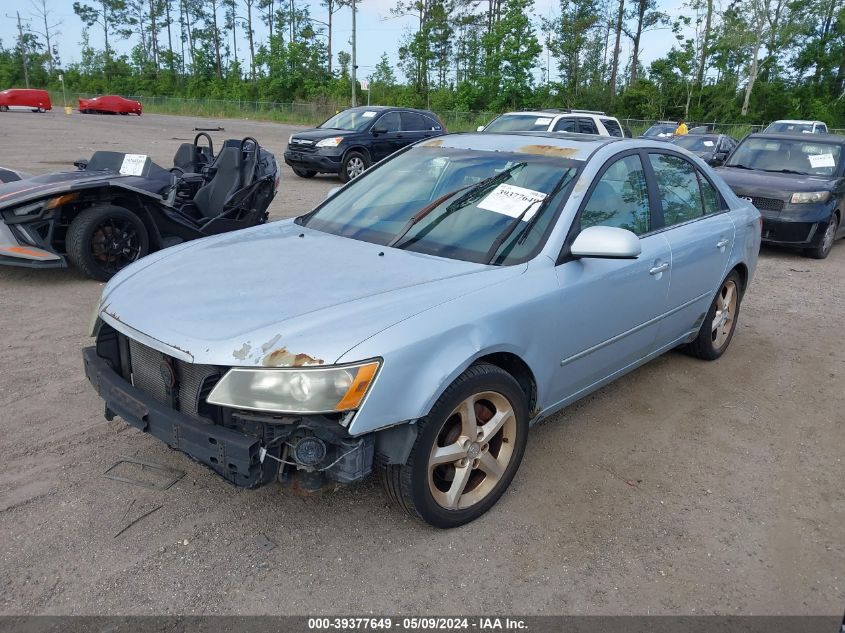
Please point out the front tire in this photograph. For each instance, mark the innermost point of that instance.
(719, 324)
(353, 165)
(104, 239)
(467, 450)
(304, 173)
(823, 249)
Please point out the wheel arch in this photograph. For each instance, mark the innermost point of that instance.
(742, 270)
(360, 149)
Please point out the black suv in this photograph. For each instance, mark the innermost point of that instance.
(352, 140)
(797, 181)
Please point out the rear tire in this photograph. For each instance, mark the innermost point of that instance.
(104, 239)
(304, 173)
(823, 249)
(353, 165)
(4, 108)
(467, 450)
(719, 325)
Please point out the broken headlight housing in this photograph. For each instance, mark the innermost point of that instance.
(296, 389)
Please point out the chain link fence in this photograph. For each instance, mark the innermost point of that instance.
(314, 113)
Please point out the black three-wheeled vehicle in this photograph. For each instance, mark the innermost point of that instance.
(118, 207)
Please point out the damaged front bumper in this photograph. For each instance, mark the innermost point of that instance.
(251, 450)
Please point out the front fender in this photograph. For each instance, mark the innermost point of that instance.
(423, 355)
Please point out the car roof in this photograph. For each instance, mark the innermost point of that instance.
(551, 114)
(381, 108)
(781, 136)
(579, 146)
(796, 121)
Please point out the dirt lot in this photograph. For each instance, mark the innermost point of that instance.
(737, 503)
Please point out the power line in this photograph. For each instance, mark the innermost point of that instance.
(21, 45)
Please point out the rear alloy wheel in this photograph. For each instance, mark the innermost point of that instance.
(823, 249)
(353, 166)
(467, 450)
(304, 173)
(719, 324)
(104, 239)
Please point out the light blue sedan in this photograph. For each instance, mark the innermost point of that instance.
(420, 319)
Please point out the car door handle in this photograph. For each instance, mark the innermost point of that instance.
(659, 269)
(722, 243)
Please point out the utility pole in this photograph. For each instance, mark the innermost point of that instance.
(354, 63)
(21, 45)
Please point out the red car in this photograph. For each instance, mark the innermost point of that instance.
(109, 104)
(38, 100)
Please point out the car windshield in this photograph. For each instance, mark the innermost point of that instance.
(790, 128)
(351, 120)
(656, 130)
(798, 156)
(520, 123)
(695, 143)
(479, 206)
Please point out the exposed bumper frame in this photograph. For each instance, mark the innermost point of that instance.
(232, 455)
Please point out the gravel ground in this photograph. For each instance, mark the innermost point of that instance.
(684, 487)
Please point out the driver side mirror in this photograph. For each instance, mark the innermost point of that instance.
(81, 164)
(379, 129)
(480, 128)
(606, 242)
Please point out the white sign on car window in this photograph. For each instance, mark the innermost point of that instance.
(542, 121)
(511, 200)
(369, 114)
(708, 143)
(821, 160)
(133, 164)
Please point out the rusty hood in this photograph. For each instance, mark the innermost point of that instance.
(279, 295)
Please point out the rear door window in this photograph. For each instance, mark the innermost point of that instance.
(677, 184)
(412, 122)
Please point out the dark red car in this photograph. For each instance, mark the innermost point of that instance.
(109, 104)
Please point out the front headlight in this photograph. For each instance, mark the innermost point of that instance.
(330, 142)
(810, 197)
(295, 389)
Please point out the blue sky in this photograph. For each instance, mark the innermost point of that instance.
(377, 31)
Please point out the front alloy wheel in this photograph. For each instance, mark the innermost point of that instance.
(823, 249)
(467, 450)
(353, 166)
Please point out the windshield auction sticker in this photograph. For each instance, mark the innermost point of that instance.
(511, 200)
(133, 164)
(821, 160)
(369, 114)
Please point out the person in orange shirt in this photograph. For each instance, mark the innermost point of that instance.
(681, 129)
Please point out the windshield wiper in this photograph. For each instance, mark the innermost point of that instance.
(786, 171)
(511, 227)
(738, 166)
(475, 189)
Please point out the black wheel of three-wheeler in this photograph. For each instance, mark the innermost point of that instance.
(104, 239)
(467, 450)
